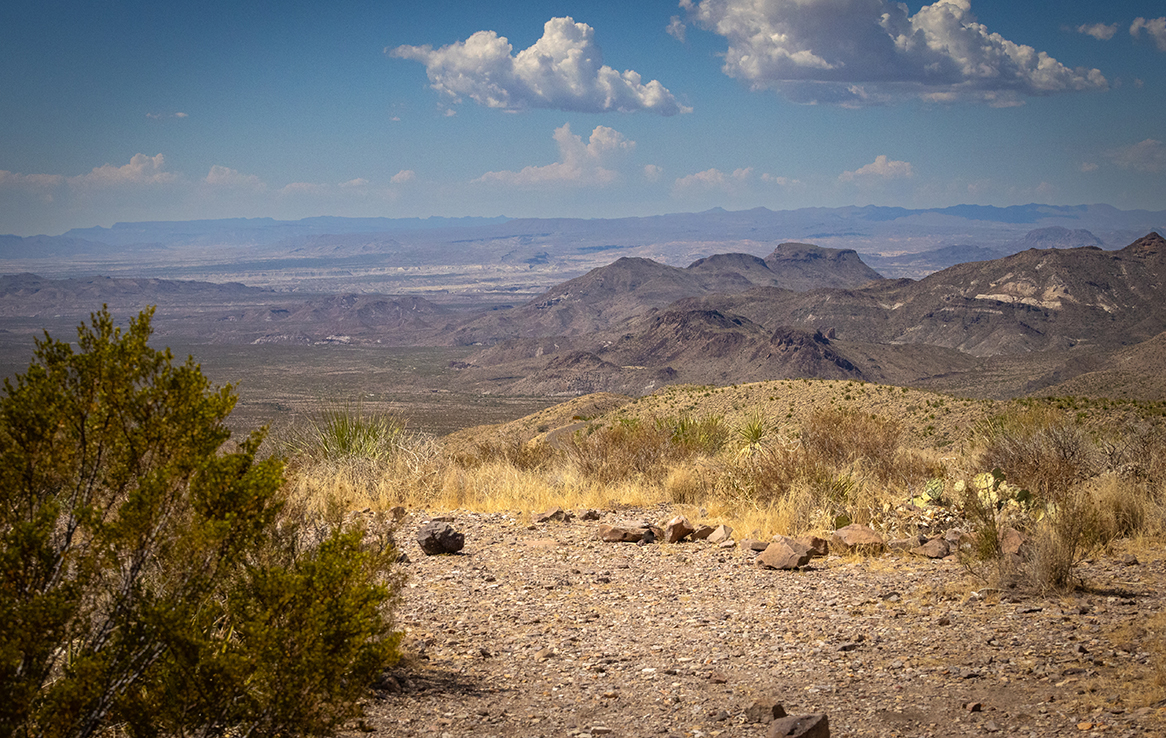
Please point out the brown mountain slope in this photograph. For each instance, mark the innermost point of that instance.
(1133, 373)
(605, 298)
(801, 266)
(708, 346)
(1033, 301)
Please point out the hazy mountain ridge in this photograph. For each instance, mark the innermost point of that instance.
(485, 258)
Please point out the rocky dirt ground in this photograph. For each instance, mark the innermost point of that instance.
(543, 630)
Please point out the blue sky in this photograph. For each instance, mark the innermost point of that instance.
(121, 111)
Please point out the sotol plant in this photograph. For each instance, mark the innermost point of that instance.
(149, 578)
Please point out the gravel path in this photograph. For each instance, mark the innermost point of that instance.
(546, 631)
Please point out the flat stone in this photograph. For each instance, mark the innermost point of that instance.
(702, 532)
(750, 544)
(803, 726)
(628, 533)
(797, 545)
(906, 544)
(936, 548)
(817, 545)
(856, 538)
(554, 515)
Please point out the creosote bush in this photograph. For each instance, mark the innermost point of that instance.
(152, 580)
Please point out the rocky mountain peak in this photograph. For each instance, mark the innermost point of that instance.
(1150, 244)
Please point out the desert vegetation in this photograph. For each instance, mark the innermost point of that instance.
(793, 457)
(155, 577)
(159, 578)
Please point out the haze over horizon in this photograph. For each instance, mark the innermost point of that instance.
(570, 109)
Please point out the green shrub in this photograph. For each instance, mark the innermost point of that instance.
(150, 577)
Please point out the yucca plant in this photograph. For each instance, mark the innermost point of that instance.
(345, 431)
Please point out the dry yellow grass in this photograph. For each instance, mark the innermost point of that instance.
(784, 457)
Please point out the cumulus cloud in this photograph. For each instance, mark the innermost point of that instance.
(879, 169)
(712, 179)
(563, 70)
(403, 176)
(652, 172)
(220, 176)
(1099, 31)
(579, 163)
(676, 29)
(1154, 27)
(352, 184)
(1147, 156)
(142, 170)
(863, 52)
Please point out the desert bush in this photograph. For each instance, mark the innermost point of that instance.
(342, 458)
(691, 436)
(632, 449)
(528, 456)
(687, 484)
(1039, 449)
(150, 578)
(1054, 493)
(840, 437)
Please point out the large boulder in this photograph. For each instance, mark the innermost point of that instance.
(779, 555)
(436, 537)
(677, 529)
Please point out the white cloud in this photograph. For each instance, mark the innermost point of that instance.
(880, 168)
(653, 172)
(1088, 166)
(1099, 31)
(563, 70)
(676, 29)
(220, 176)
(713, 179)
(357, 183)
(142, 170)
(863, 52)
(403, 176)
(780, 181)
(579, 163)
(1155, 27)
(163, 116)
(1146, 156)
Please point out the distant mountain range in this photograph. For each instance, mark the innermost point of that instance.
(1051, 306)
(489, 258)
